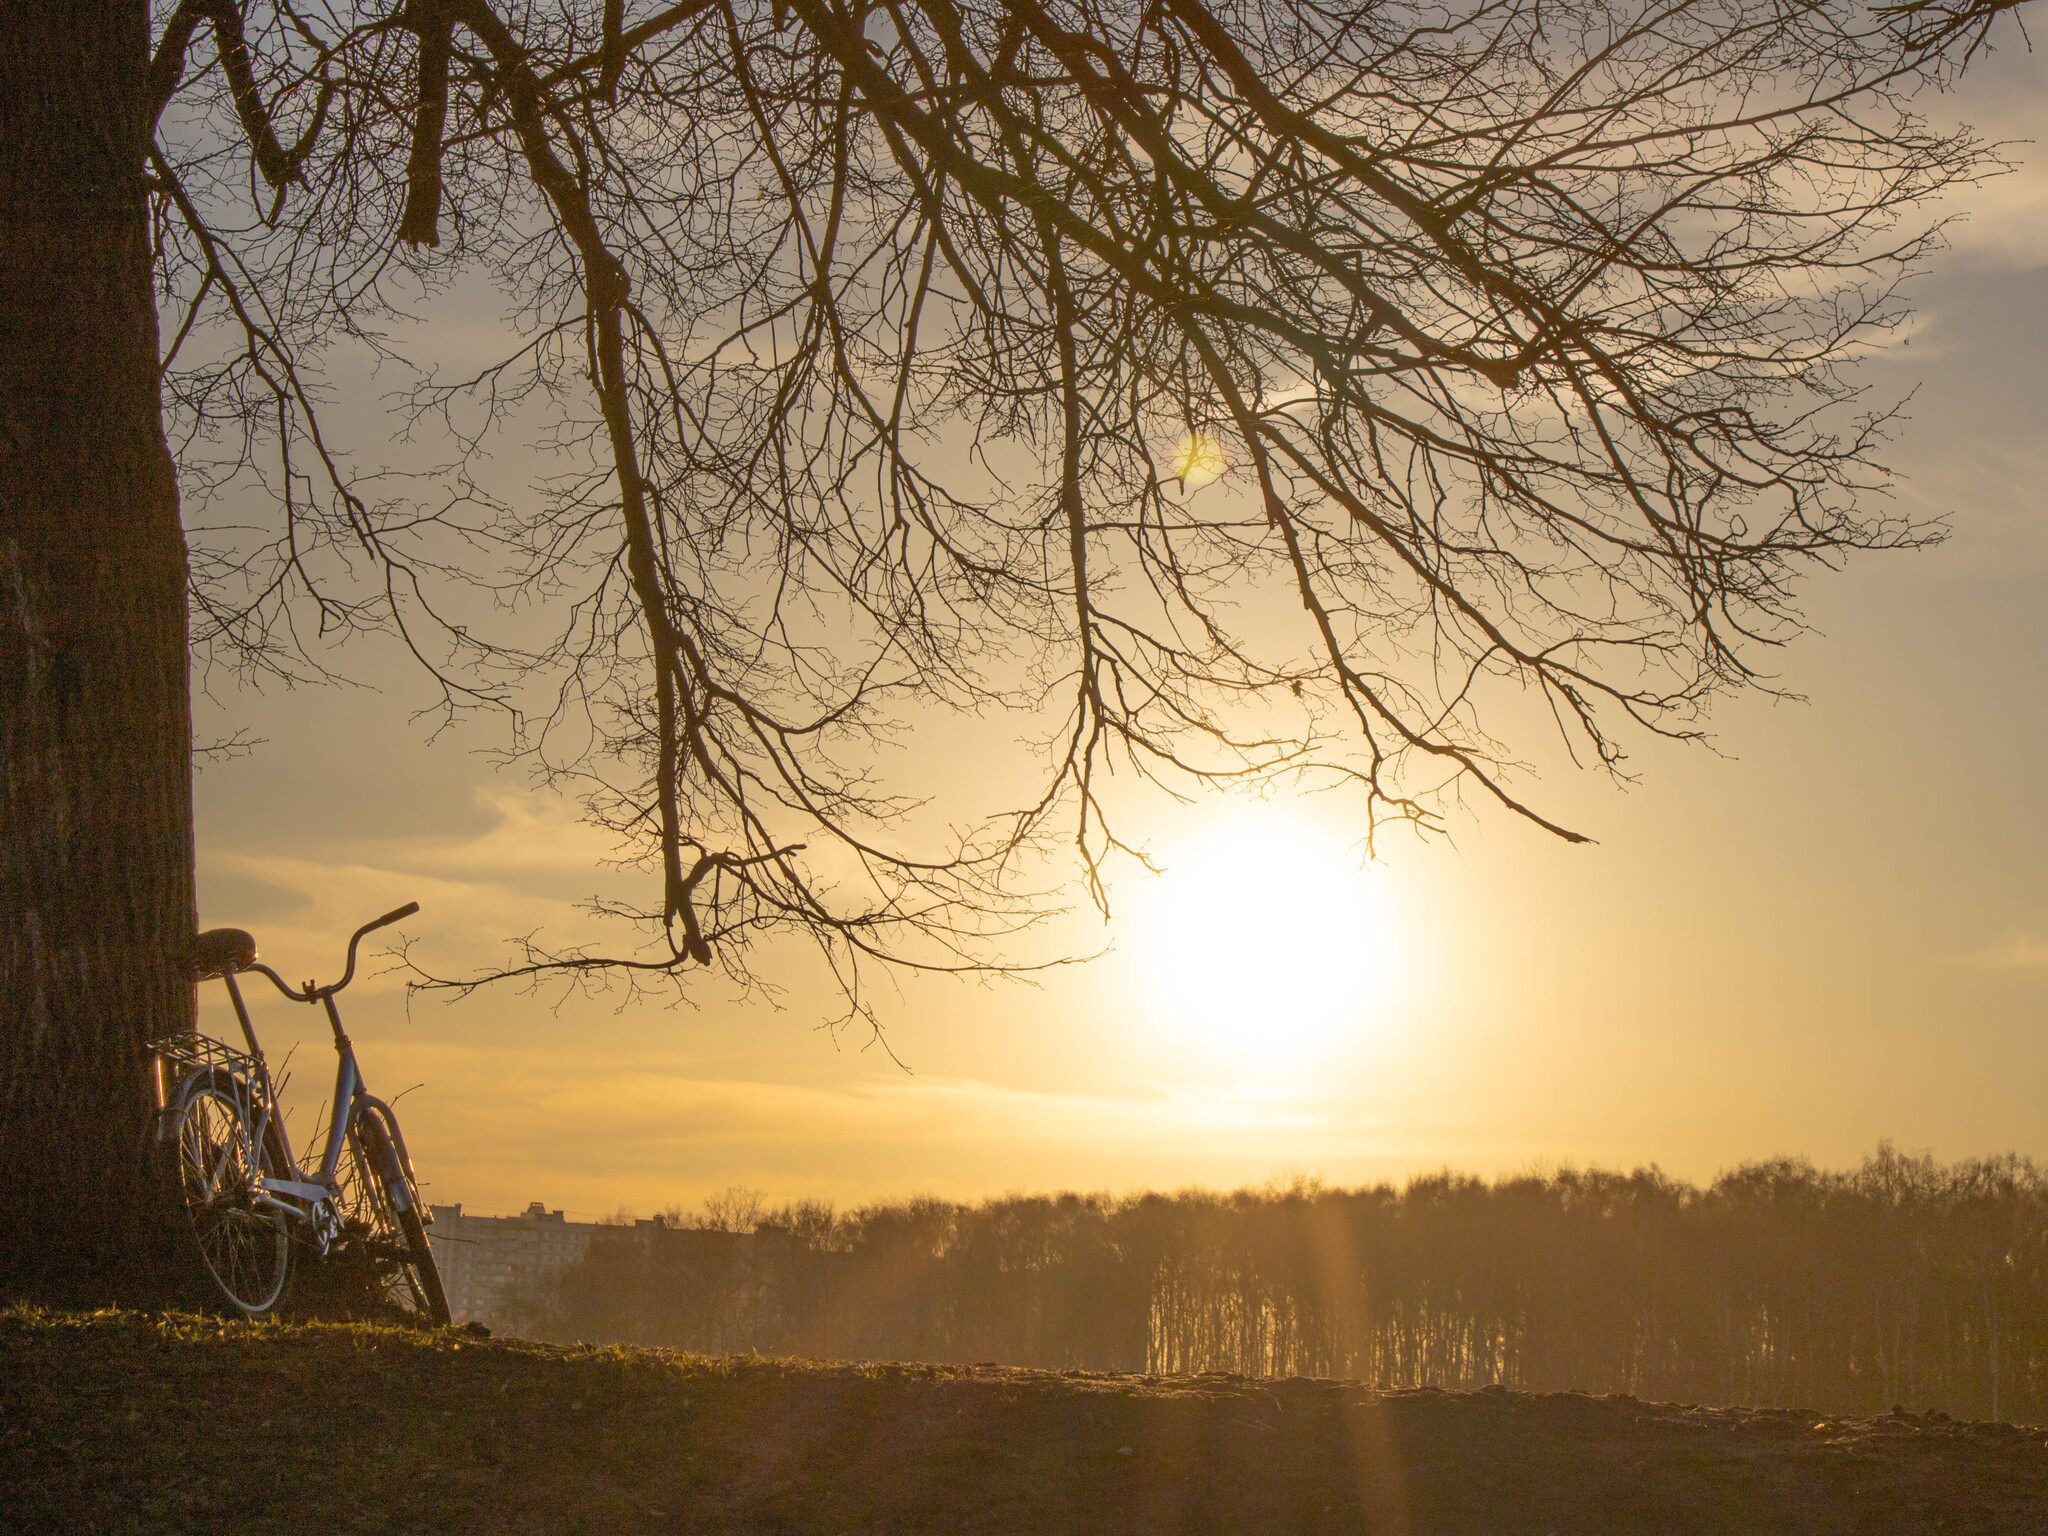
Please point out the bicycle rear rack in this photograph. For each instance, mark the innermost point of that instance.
(179, 1054)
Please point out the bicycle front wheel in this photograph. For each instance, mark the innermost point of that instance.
(381, 1216)
(207, 1152)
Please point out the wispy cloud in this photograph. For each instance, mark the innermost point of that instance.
(598, 1132)
(2015, 952)
(530, 869)
(2003, 223)
(2005, 218)
(531, 832)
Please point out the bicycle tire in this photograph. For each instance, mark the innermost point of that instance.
(206, 1158)
(427, 1272)
(381, 1214)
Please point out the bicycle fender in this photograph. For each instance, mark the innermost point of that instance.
(388, 1118)
(181, 1093)
(398, 1175)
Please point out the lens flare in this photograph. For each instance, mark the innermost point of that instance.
(1199, 460)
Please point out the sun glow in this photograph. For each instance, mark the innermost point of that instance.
(1264, 944)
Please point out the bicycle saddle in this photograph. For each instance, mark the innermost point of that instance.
(223, 951)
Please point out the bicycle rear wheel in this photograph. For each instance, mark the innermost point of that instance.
(207, 1154)
(381, 1216)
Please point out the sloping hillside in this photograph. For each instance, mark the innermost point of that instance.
(115, 1423)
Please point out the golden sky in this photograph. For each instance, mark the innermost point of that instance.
(1833, 931)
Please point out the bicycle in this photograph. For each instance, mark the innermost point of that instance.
(220, 1142)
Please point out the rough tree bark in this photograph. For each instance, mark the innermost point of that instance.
(96, 840)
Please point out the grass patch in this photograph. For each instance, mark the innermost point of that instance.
(123, 1422)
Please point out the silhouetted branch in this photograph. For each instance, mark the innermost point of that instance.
(861, 338)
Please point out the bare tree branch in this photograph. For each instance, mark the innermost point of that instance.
(864, 336)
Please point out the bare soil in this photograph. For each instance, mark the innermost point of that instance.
(119, 1422)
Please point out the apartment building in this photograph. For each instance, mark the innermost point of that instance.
(498, 1270)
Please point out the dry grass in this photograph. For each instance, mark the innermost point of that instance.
(120, 1422)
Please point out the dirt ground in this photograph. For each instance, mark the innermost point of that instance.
(118, 1423)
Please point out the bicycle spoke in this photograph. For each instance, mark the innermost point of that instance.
(220, 1167)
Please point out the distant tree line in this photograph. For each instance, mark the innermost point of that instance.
(1903, 1282)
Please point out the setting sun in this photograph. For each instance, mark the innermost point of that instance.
(1264, 942)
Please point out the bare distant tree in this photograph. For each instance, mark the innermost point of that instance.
(881, 349)
(1779, 1284)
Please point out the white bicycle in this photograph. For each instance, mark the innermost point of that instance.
(246, 1202)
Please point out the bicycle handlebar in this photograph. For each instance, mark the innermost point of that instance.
(370, 927)
(312, 993)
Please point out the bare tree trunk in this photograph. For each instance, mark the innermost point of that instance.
(96, 849)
